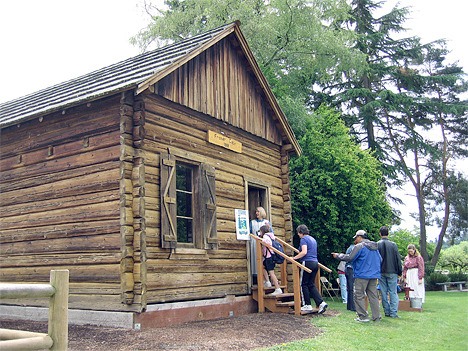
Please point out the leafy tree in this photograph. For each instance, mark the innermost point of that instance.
(423, 160)
(404, 237)
(365, 96)
(455, 258)
(336, 186)
(392, 90)
(294, 41)
(406, 93)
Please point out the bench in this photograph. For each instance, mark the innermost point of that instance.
(444, 285)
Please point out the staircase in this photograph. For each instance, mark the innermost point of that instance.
(282, 303)
(287, 302)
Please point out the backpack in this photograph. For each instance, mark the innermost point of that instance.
(277, 258)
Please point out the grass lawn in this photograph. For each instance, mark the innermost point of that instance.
(443, 325)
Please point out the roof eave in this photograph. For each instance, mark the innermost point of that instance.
(60, 107)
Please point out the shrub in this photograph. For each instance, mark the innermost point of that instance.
(428, 269)
(434, 278)
(457, 277)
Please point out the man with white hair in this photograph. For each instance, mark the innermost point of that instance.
(365, 259)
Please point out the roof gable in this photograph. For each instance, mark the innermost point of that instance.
(139, 73)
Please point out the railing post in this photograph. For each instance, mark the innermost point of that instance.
(58, 310)
(260, 287)
(297, 290)
(284, 275)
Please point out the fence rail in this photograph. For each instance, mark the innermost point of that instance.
(56, 338)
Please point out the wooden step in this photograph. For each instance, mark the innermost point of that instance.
(255, 287)
(285, 303)
(279, 296)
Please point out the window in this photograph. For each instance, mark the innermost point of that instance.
(184, 199)
(188, 204)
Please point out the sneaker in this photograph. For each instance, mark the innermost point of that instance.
(306, 308)
(395, 316)
(276, 292)
(362, 320)
(322, 307)
(267, 285)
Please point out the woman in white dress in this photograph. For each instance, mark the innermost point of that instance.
(413, 273)
(255, 225)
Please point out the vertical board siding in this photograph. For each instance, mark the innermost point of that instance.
(217, 83)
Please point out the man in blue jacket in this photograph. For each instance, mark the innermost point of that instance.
(366, 260)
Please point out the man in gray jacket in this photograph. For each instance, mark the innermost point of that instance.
(390, 270)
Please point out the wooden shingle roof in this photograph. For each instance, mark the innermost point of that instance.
(138, 72)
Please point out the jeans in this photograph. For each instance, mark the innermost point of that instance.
(388, 288)
(343, 288)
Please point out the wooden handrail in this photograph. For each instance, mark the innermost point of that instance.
(286, 257)
(284, 243)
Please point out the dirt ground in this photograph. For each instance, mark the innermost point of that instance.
(234, 334)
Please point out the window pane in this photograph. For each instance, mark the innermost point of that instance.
(184, 230)
(184, 204)
(183, 177)
(184, 198)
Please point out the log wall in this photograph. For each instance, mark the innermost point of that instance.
(60, 202)
(186, 274)
(80, 189)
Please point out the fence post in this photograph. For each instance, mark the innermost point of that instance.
(58, 310)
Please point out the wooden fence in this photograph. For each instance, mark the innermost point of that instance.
(56, 338)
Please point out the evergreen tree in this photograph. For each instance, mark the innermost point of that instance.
(336, 186)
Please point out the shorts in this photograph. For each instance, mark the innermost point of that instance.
(269, 264)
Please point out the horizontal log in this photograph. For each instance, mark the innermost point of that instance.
(58, 165)
(18, 291)
(83, 258)
(86, 302)
(103, 273)
(83, 213)
(62, 203)
(192, 266)
(66, 230)
(58, 129)
(195, 293)
(94, 243)
(165, 281)
(21, 340)
(53, 178)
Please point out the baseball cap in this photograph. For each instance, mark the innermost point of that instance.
(360, 233)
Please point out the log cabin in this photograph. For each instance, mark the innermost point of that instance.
(129, 177)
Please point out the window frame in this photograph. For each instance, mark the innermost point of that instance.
(203, 202)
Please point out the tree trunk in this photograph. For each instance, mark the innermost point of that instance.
(446, 196)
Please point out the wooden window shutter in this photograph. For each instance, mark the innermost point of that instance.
(168, 201)
(208, 201)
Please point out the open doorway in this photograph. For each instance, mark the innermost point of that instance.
(257, 196)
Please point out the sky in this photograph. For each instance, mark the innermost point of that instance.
(45, 42)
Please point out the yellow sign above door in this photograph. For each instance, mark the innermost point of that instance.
(223, 141)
